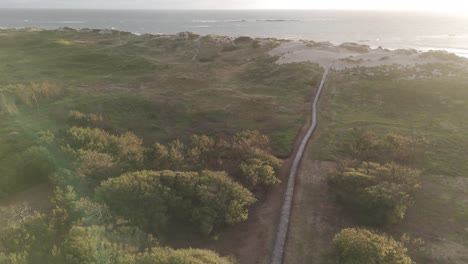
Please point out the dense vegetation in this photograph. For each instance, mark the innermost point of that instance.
(81, 231)
(376, 194)
(146, 84)
(116, 191)
(139, 137)
(401, 134)
(151, 199)
(353, 246)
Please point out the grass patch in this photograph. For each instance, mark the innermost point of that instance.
(384, 100)
(151, 86)
(433, 109)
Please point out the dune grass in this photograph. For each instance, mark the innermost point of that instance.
(150, 86)
(384, 100)
(433, 108)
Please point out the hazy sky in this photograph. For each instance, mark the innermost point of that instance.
(459, 6)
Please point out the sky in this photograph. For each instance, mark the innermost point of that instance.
(455, 6)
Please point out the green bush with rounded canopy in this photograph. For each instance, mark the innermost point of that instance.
(377, 194)
(151, 198)
(361, 246)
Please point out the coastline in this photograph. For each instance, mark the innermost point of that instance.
(327, 44)
(392, 30)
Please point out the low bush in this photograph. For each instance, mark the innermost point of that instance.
(388, 148)
(377, 194)
(359, 246)
(151, 199)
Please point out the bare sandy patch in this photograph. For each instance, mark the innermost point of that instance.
(348, 55)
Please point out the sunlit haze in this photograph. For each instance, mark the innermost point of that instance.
(455, 6)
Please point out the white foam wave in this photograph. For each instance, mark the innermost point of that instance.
(200, 26)
(65, 22)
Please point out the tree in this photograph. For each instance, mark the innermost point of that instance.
(359, 246)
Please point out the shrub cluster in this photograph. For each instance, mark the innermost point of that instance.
(64, 237)
(388, 148)
(378, 194)
(150, 199)
(78, 118)
(126, 147)
(188, 183)
(352, 246)
(246, 155)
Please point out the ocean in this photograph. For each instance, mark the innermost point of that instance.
(393, 30)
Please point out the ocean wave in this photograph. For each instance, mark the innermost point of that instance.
(278, 20)
(462, 52)
(205, 21)
(246, 20)
(64, 22)
(450, 36)
(200, 26)
(322, 19)
(220, 21)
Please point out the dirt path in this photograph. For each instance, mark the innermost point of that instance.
(283, 226)
(315, 218)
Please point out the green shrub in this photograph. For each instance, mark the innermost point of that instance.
(377, 194)
(245, 156)
(182, 256)
(85, 245)
(389, 148)
(150, 199)
(35, 165)
(124, 148)
(13, 258)
(361, 246)
(258, 172)
(78, 118)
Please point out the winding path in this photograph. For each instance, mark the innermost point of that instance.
(283, 226)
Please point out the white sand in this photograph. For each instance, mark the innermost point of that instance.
(340, 58)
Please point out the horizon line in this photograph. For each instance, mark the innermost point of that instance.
(231, 9)
(418, 11)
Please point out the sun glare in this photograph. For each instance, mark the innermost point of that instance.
(452, 6)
